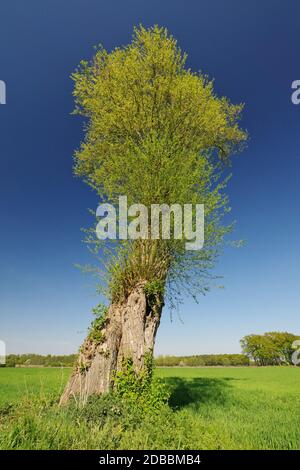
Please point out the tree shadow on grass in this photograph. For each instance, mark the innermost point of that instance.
(198, 390)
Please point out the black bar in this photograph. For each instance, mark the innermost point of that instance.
(136, 459)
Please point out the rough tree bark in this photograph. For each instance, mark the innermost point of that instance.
(129, 332)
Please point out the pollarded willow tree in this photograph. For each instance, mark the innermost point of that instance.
(156, 133)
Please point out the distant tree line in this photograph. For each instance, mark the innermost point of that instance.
(273, 348)
(27, 360)
(15, 360)
(203, 360)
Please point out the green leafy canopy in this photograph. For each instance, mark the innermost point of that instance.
(157, 133)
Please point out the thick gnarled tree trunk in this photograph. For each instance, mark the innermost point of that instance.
(129, 332)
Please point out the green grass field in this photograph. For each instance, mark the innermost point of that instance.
(210, 408)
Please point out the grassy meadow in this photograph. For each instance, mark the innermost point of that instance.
(209, 408)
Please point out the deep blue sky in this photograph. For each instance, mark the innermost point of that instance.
(251, 49)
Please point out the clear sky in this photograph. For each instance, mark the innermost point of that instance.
(251, 49)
